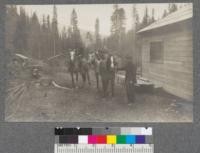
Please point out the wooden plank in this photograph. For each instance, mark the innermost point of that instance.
(166, 75)
(184, 79)
(173, 82)
(173, 74)
(169, 68)
(182, 59)
(177, 36)
(179, 47)
(178, 53)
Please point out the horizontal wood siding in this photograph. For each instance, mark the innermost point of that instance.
(175, 74)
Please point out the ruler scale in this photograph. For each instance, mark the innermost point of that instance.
(104, 140)
(144, 148)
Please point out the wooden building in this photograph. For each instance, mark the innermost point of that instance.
(167, 53)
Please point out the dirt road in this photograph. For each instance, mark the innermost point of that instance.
(33, 102)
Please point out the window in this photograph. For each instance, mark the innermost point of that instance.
(156, 52)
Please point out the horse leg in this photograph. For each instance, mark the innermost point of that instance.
(76, 77)
(106, 86)
(83, 78)
(103, 86)
(105, 82)
(88, 77)
(72, 77)
(97, 79)
(113, 85)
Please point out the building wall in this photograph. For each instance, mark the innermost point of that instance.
(175, 74)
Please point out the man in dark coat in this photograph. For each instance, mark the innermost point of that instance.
(130, 78)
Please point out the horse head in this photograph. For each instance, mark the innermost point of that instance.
(111, 63)
(72, 55)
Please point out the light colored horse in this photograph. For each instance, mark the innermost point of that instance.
(73, 67)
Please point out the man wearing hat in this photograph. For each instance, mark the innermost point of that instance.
(130, 78)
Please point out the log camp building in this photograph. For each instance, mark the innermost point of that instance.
(167, 53)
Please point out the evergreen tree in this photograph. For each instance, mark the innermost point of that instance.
(64, 44)
(118, 21)
(44, 38)
(20, 36)
(54, 30)
(89, 36)
(34, 44)
(145, 20)
(10, 26)
(74, 21)
(117, 28)
(136, 22)
(97, 35)
(172, 7)
(49, 46)
(75, 37)
(152, 16)
(164, 13)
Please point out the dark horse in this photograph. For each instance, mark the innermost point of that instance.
(107, 71)
(84, 69)
(95, 61)
(78, 64)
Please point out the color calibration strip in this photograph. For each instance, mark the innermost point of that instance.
(103, 139)
(107, 140)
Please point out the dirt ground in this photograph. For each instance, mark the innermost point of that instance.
(29, 101)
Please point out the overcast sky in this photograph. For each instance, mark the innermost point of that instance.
(87, 14)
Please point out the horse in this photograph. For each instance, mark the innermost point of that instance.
(73, 66)
(107, 71)
(95, 61)
(84, 69)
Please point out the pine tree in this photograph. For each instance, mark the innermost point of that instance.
(10, 26)
(117, 28)
(136, 22)
(44, 38)
(55, 31)
(74, 21)
(164, 13)
(152, 16)
(20, 45)
(97, 35)
(145, 20)
(49, 46)
(118, 21)
(76, 36)
(172, 7)
(34, 44)
(64, 44)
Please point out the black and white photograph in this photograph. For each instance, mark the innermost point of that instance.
(99, 62)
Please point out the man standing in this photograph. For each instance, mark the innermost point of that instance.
(130, 79)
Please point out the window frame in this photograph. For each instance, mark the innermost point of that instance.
(159, 59)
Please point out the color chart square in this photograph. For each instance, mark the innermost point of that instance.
(83, 139)
(101, 139)
(130, 139)
(92, 139)
(121, 139)
(140, 139)
(111, 139)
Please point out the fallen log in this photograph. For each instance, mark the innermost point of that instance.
(58, 86)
